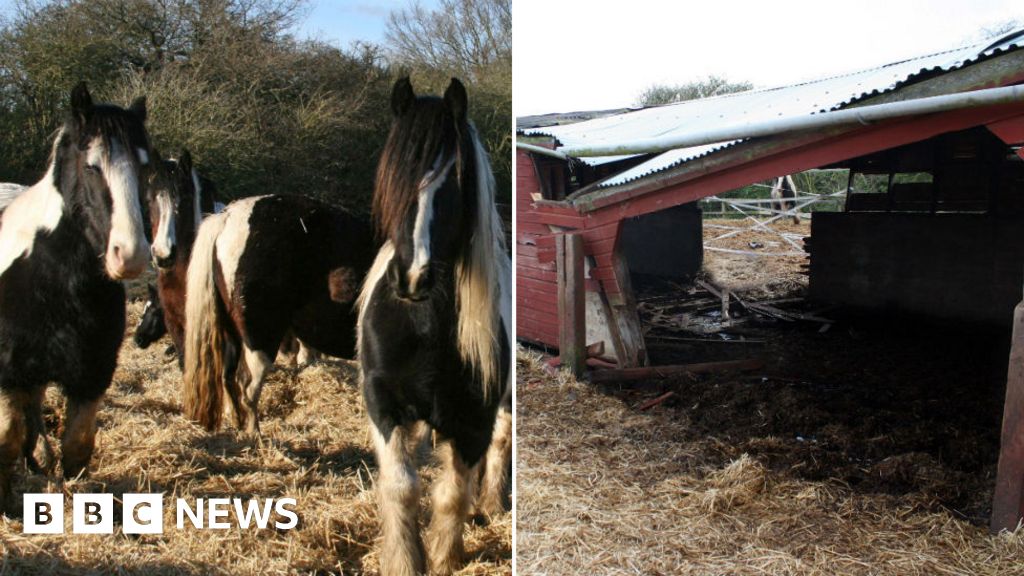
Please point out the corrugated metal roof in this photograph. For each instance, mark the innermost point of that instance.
(754, 106)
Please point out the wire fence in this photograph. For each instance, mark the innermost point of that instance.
(760, 214)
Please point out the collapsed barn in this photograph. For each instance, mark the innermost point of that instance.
(938, 234)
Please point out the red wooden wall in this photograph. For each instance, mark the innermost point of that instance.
(536, 283)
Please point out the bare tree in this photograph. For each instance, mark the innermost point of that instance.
(713, 85)
(463, 36)
(994, 30)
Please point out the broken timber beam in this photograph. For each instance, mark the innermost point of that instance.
(652, 372)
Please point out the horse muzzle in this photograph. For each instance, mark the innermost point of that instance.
(414, 286)
(126, 260)
(166, 260)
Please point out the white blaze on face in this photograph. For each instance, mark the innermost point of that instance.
(127, 248)
(429, 185)
(165, 239)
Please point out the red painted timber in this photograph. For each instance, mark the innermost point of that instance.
(857, 143)
(536, 274)
(535, 283)
(1010, 130)
(562, 220)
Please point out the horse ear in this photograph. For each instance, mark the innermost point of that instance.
(402, 96)
(139, 107)
(81, 100)
(152, 291)
(455, 98)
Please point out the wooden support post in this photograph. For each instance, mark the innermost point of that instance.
(572, 334)
(1008, 501)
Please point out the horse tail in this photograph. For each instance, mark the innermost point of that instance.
(205, 332)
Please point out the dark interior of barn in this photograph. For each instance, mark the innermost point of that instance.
(885, 368)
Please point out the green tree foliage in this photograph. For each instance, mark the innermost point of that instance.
(471, 40)
(658, 94)
(260, 110)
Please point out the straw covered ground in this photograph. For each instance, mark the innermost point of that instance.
(865, 446)
(315, 448)
(747, 269)
(604, 488)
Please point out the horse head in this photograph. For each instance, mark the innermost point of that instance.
(151, 326)
(425, 198)
(172, 208)
(100, 161)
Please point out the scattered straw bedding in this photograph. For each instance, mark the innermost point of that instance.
(315, 449)
(605, 489)
(758, 277)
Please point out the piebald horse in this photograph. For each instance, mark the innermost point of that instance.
(151, 328)
(65, 245)
(434, 327)
(264, 267)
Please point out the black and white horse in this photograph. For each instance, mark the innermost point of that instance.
(434, 332)
(65, 244)
(262, 268)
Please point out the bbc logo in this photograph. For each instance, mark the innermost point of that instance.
(92, 514)
(144, 513)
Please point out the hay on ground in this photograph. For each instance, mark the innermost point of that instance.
(315, 448)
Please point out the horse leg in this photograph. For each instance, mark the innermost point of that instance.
(496, 465)
(421, 444)
(258, 364)
(13, 431)
(451, 499)
(233, 387)
(79, 436)
(398, 492)
(37, 430)
(306, 354)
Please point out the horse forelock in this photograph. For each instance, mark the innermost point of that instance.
(414, 143)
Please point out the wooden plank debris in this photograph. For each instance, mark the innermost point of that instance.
(655, 401)
(657, 372)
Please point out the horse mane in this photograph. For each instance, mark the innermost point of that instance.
(480, 276)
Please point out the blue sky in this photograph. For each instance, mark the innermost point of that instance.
(339, 22)
(342, 22)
